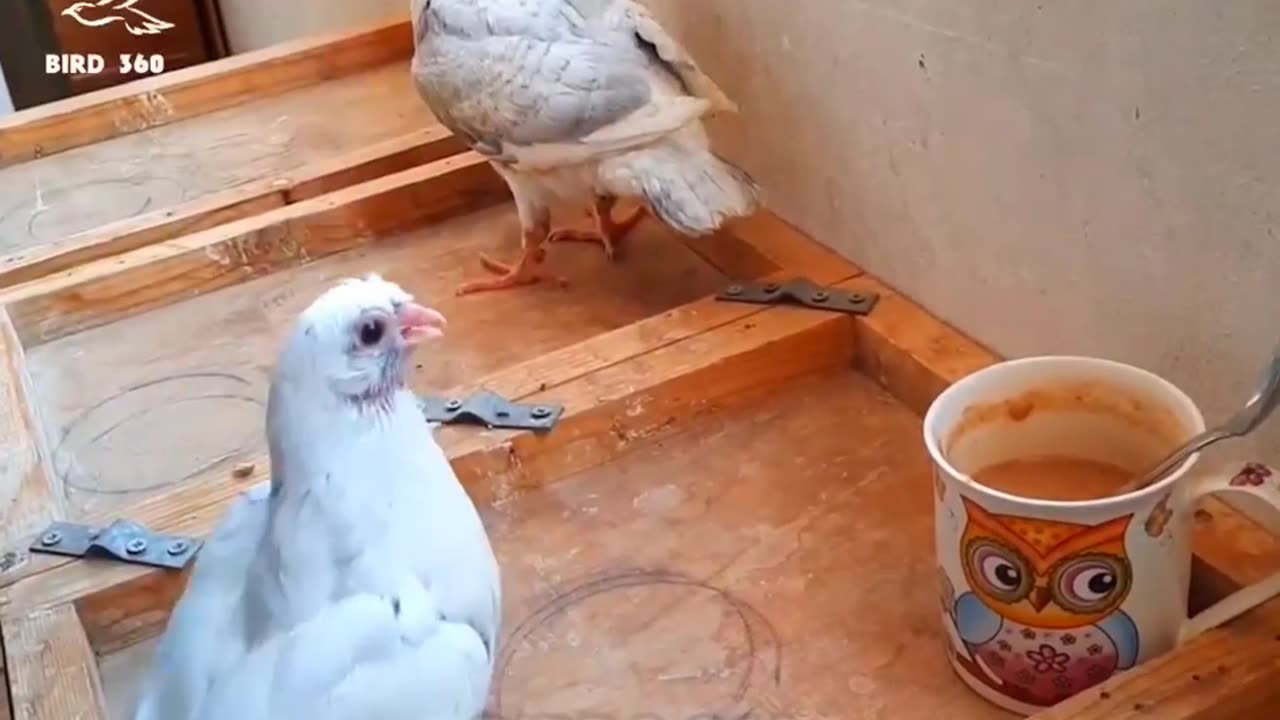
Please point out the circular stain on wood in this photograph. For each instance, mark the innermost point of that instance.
(159, 433)
(637, 644)
(51, 213)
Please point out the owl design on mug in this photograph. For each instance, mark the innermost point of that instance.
(1042, 619)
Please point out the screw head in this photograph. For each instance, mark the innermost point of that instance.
(733, 290)
(821, 296)
(177, 547)
(453, 405)
(541, 413)
(772, 287)
(856, 298)
(53, 537)
(135, 546)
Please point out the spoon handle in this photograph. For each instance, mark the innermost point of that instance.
(1175, 459)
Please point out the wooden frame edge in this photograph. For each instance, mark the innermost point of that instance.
(28, 493)
(113, 288)
(252, 198)
(52, 669)
(152, 102)
(619, 388)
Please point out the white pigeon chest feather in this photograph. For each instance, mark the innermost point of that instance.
(362, 510)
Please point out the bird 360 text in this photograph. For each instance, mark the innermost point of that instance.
(93, 64)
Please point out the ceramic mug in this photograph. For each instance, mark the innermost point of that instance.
(1043, 599)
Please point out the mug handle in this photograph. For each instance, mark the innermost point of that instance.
(1259, 481)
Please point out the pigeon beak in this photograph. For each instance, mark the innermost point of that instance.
(419, 324)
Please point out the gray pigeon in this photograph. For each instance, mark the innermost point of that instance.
(577, 101)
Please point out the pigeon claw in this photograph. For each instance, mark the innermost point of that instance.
(508, 276)
(608, 233)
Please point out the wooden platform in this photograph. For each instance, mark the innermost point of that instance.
(733, 514)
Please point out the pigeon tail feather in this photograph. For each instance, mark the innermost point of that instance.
(694, 191)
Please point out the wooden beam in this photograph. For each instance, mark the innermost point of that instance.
(607, 413)
(745, 249)
(764, 239)
(53, 672)
(28, 498)
(182, 94)
(1226, 674)
(156, 275)
(384, 158)
(620, 389)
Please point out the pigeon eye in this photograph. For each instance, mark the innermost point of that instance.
(371, 331)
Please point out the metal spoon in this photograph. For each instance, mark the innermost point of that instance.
(1253, 414)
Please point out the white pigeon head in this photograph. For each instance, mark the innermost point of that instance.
(355, 340)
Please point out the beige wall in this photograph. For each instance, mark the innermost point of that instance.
(1091, 177)
(255, 24)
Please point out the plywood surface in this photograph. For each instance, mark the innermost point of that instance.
(690, 577)
(48, 199)
(191, 378)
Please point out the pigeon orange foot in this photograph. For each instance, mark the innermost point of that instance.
(608, 233)
(508, 276)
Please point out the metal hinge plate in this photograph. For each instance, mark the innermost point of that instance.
(122, 540)
(801, 291)
(490, 410)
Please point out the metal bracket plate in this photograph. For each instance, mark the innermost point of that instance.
(490, 410)
(122, 540)
(801, 291)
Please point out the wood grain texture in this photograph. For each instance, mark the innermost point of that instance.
(252, 198)
(103, 425)
(53, 673)
(768, 562)
(1226, 674)
(82, 190)
(28, 498)
(619, 407)
(113, 288)
(152, 102)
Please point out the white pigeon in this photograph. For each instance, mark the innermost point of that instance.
(577, 101)
(290, 590)
(205, 633)
(366, 656)
(361, 492)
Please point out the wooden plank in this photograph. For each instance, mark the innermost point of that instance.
(609, 411)
(516, 382)
(186, 93)
(770, 242)
(156, 275)
(912, 353)
(779, 553)
(384, 158)
(28, 499)
(1224, 674)
(53, 672)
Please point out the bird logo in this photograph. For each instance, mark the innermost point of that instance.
(105, 12)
